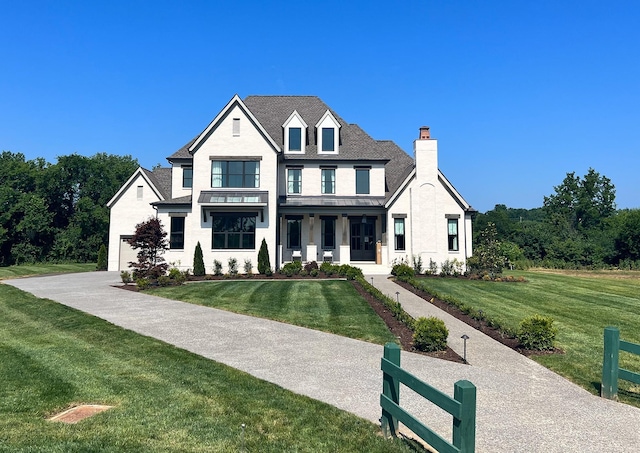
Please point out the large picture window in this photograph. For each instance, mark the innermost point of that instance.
(234, 231)
(328, 233)
(294, 233)
(452, 225)
(399, 233)
(362, 180)
(235, 173)
(328, 180)
(176, 237)
(294, 180)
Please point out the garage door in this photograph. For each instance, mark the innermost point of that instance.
(127, 254)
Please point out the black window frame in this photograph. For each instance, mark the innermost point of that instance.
(399, 238)
(328, 234)
(176, 235)
(453, 242)
(294, 237)
(233, 231)
(297, 140)
(249, 180)
(187, 183)
(332, 139)
(360, 172)
(324, 181)
(291, 171)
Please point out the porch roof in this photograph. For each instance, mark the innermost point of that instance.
(324, 201)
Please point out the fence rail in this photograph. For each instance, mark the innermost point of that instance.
(462, 406)
(611, 370)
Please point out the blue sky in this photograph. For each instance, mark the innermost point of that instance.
(518, 93)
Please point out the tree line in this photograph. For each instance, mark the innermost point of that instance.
(57, 212)
(578, 226)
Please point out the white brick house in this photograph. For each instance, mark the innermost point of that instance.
(290, 170)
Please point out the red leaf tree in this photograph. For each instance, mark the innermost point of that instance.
(150, 241)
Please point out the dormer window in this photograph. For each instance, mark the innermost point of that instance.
(295, 134)
(328, 139)
(328, 134)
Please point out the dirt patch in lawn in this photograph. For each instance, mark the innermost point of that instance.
(77, 413)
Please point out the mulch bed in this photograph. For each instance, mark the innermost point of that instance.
(480, 325)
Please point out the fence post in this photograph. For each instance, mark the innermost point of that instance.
(609, 388)
(464, 428)
(390, 389)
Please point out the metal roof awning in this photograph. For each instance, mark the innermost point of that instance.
(330, 202)
(235, 199)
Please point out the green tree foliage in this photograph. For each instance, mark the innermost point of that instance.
(150, 240)
(57, 211)
(198, 261)
(264, 264)
(488, 256)
(102, 259)
(627, 239)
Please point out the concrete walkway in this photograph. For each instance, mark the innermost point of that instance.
(522, 407)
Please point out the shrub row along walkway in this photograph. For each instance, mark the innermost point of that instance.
(522, 407)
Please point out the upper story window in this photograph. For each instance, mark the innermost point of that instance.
(295, 139)
(362, 181)
(295, 134)
(328, 139)
(328, 134)
(294, 180)
(328, 182)
(452, 227)
(236, 127)
(187, 177)
(235, 173)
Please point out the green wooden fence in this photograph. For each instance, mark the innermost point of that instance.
(611, 370)
(462, 406)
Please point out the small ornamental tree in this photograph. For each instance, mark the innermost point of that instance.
(488, 256)
(102, 259)
(264, 264)
(198, 261)
(150, 240)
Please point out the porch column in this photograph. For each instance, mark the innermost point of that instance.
(345, 249)
(312, 248)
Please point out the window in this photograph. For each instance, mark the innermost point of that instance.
(236, 127)
(294, 180)
(235, 173)
(328, 233)
(328, 139)
(399, 233)
(187, 177)
(294, 233)
(139, 193)
(328, 180)
(453, 234)
(295, 139)
(234, 231)
(362, 180)
(176, 237)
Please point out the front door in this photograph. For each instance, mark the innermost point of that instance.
(363, 239)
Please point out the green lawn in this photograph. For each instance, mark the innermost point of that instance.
(44, 268)
(166, 399)
(328, 305)
(581, 305)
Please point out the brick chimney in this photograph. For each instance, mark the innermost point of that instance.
(425, 150)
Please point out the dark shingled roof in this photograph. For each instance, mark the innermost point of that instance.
(186, 200)
(161, 178)
(355, 144)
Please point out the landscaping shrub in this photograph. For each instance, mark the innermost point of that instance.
(417, 264)
(403, 271)
(314, 272)
(292, 268)
(433, 268)
(233, 266)
(126, 277)
(537, 332)
(264, 263)
(430, 334)
(102, 259)
(310, 266)
(217, 268)
(326, 268)
(177, 276)
(143, 283)
(164, 280)
(198, 261)
(248, 266)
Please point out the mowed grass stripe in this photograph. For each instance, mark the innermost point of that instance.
(166, 399)
(581, 307)
(332, 306)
